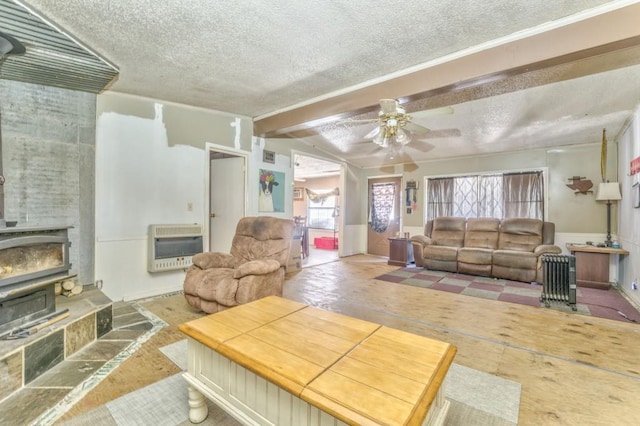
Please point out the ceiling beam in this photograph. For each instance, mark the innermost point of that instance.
(596, 35)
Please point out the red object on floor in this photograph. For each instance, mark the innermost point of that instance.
(328, 243)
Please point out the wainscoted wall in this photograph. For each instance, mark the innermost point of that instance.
(151, 168)
(629, 217)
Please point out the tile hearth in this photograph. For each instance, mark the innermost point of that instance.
(62, 363)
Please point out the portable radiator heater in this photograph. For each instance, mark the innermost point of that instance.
(559, 279)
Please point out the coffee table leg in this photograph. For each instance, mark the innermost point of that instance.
(198, 410)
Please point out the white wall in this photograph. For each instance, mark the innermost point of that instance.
(145, 175)
(628, 216)
(152, 164)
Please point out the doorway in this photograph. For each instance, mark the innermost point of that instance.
(384, 213)
(227, 196)
(316, 205)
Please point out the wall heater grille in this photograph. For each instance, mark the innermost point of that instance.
(559, 279)
(173, 246)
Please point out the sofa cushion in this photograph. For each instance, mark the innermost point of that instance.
(520, 234)
(482, 233)
(448, 231)
(474, 255)
(442, 253)
(515, 259)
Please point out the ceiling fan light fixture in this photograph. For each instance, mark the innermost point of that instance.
(382, 139)
(379, 136)
(402, 137)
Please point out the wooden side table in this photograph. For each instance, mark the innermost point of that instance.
(400, 252)
(592, 264)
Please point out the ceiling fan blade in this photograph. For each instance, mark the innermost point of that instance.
(421, 146)
(350, 121)
(432, 112)
(372, 133)
(443, 133)
(416, 128)
(388, 106)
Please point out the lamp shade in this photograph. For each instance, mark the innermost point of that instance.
(608, 191)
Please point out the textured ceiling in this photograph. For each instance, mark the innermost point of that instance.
(255, 57)
(258, 58)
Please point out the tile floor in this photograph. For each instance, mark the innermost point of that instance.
(58, 388)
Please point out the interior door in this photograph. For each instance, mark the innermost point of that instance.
(226, 198)
(384, 213)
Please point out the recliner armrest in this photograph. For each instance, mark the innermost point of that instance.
(256, 267)
(547, 249)
(209, 260)
(421, 239)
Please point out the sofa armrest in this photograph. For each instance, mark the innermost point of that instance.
(256, 267)
(210, 260)
(421, 239)
(547, 249)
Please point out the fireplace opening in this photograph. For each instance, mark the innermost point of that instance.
(24, 260)
(32, 260)
(18, 310)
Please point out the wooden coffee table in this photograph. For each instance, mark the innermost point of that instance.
(279, 362)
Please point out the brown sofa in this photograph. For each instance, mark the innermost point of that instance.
(255, 268)
(508, 248)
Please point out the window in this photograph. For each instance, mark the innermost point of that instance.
(499, 195)
(322, 209)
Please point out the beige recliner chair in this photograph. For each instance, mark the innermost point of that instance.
(254, 269)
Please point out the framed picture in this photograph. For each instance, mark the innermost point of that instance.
(298, 194)
(269, 156)
(635, 189)
(271, 191)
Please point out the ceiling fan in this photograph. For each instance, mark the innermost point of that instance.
(395, 123)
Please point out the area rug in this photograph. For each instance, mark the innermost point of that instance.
(608, 304)
(476, 398)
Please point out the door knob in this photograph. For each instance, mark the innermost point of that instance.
(212, 215)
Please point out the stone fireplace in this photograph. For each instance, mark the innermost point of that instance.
(32, 260)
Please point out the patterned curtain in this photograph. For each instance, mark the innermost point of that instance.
(523, 195)
(490, 201)
(383, 196)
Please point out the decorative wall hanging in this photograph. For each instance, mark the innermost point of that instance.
(603, 156)
(634, 166)
(580, 185)
(270, 193)
(321, 198)
(411, 201)
(269, 156)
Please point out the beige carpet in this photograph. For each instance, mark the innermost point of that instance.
(477, 398)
